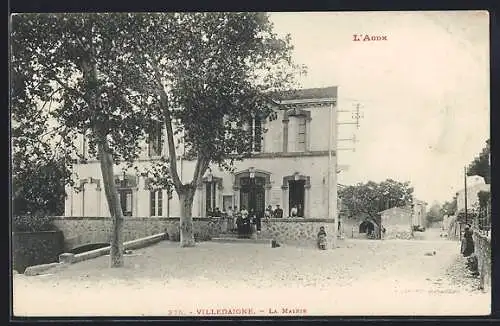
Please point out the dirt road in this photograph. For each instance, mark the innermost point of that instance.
(361, 277)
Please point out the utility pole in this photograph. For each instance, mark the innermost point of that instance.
(331, 183)
(465, 192)
(333, 207)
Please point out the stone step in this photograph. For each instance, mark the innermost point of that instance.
(241, 240)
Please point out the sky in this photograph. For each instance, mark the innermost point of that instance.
(424, 92)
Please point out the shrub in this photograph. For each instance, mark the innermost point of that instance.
(33, 248)
(32, 224)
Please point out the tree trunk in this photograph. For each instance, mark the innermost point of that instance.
(186, 196)
(106, 161)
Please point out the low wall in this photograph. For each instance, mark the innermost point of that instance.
(482, 249)
(397, 231)
(85, 230)
(34, 248)
(296, 231)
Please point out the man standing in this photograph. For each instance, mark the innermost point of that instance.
(278, 212)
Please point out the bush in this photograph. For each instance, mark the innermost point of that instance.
(32, 224)
(33, 248)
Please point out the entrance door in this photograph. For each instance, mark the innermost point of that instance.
(252, 194)
(296, 195)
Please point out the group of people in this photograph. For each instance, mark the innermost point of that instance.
(243, 219)
(268, 213)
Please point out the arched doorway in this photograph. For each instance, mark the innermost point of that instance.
(252, 187)
(296, 193)
(371, 228)
(366, 227)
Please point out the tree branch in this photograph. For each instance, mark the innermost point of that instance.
(172, 156)
(66, 87)
(202, 164)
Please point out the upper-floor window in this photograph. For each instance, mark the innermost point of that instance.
(301, 134)
(256, 133)
(155, 140)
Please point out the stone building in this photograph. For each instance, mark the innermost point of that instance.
(289, 167)
(475, 184)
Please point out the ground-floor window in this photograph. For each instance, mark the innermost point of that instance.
(126, 201)
(156, 202)
(210, 204)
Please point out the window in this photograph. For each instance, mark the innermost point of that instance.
(126, 201)
(210, 197)
(155, 202)
(125, 195)
(256, 133)
(155, 141)
(301, 135)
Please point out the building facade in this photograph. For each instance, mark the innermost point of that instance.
(475, 184)
(290, 167)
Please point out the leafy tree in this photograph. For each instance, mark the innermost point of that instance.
(39, 189)
(117, 75)
(481, 164)
(366, 200)
(435, 214)
(81, 62)
(207, 75)
(39, 171)
(449, 208)
(484, 210)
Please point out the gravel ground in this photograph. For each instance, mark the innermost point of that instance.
(361, 277)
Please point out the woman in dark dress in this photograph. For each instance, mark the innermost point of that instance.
(467, 242)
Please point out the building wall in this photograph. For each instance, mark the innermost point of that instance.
(472, 198)
(92, 201)
(280, 158)
(419, 213)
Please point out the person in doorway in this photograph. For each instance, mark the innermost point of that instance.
(236, 213)
(251, 216)
(321, 238)
(268, 213)
(278, 212)
(229, 216)
(244, 212)
(294, 211)
(258, 221)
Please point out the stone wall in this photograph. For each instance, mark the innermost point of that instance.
(79, 231)
(482, 249)
(297, 231)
